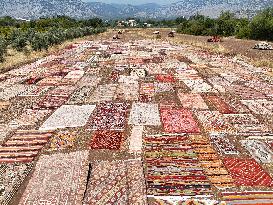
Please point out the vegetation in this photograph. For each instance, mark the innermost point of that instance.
(260, 27)
(40, 34)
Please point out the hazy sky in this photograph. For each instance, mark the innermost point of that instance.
(135, 2)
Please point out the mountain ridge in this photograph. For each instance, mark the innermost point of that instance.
(30, 9)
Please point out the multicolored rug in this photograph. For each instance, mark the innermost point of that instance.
(214, 122)
(58, 179)
(23, 146)
(247, 172)
(192, 101)
(144, 114)
(116, 182)
(11, 178)
(172, 167)
(63, 140)
(107, 140)
(220, 104)
(135, 139)
(211, 163)
(109, 116)
(259, 150)
(178, 121)
(223, 143)
(30, 117)
(50, 102)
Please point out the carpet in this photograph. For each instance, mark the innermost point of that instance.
(245, 93)
(257, 107)
(50, 102)
(247, 172)
(30, 117)
(58, 179)
(220, 104)
(167, 78)
(223, 143)
(63, 140)
(103, 93)
(109, 116)
(213, 121)
(147, 88)
(144, 114)
(192, 101)
(68, 116)
(259, 150)
(12, 176)
(80, 95)
(35, 91)
(135, 139)
(61, 91)
(178, 121)
(211, 163)
(111, 140)
(163, 87)
(127, 91)
(248, 197)
(23, 146)
(116, 182)
(172, 168)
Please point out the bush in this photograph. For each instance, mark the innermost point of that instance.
(39, 42)
(3, 48)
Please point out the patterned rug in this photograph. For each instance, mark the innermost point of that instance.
(135, 139)
(81, 95)
(220, 104)
(11, 177)
(247, 172)
(109, 116)
(245, 93)
(223, 144)
(165, 78)
(178, 121)
(50, 102)
(147, 88)
(30, 117)
(256, 106)
(63, 140)
(35, 91)
(103, 93)
(163, 87)
(192, 101)
(58, 179)
(116, 182)
(172, 168)
(127, 91)
(107, 140)
(61, 91)
(50, 81)
(144, 114)
(214, 122)
(23, 146)
(248, 197)
(258, 150)
(68, 116)
(211, 163)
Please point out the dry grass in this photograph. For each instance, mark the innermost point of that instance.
(15, 59)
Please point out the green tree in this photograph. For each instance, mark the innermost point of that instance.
(3, 48)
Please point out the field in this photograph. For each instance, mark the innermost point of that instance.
(139, 120)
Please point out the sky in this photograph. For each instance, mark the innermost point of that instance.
(136, 2)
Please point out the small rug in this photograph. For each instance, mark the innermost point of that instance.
(68, 116)
(111, 140)
(192, 101)
(144, 114)
(23, 146)
(109, 116)
(11, 178)
(178, 121)
(58, 179)
(247, 172)
(116, 182)
(220, 104)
